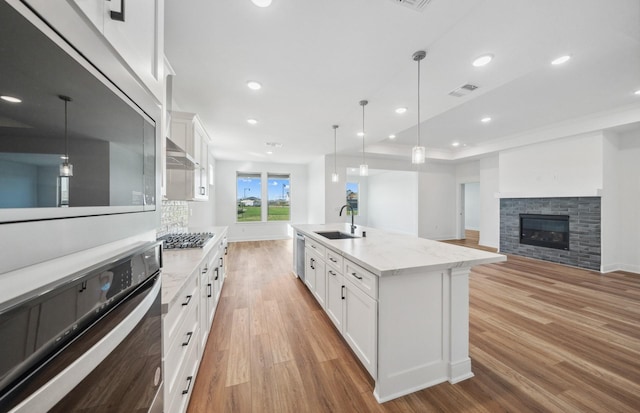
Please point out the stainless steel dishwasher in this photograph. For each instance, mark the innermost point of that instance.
(300, 256)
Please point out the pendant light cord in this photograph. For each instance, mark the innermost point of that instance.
(66, 134)
(419, 102)
(335, 148)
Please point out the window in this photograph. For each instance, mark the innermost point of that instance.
(249, 197)
(352, 197)
(279, 197)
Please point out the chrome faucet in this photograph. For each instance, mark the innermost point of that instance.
(353, 227)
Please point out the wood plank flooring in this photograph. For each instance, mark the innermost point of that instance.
(543, 338)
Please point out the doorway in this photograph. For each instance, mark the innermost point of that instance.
(469, 225)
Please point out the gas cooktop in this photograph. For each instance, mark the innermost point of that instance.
(188, 240)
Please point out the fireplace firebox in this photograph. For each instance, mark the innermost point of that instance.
(551, 231)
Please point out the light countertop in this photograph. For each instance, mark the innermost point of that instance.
(388, 253)
(179, 264)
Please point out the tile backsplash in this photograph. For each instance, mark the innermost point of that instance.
(175, 217)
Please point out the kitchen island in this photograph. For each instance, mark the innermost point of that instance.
(401, 302)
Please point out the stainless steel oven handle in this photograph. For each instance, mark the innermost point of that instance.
(54, 390)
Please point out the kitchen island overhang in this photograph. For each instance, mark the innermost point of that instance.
(422, 323)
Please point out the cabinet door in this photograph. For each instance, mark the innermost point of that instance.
(360, 325)
(311, 262)
(206, 289)
(320, 291)
(335, 297)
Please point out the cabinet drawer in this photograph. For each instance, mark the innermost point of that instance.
(315, 246)
(185, 339)
(179, 397)
(185, 301)
(334, 259)
(365, 280)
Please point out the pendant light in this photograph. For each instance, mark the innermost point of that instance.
(418, 154)
(334, 176)
(364, 168)
(66, 169)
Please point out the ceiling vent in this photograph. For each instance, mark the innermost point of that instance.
(463, 90)
(417, 5)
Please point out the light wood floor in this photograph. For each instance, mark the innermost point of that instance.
(543, 338)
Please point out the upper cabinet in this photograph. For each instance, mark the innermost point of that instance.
(187, 158)
(130, 30)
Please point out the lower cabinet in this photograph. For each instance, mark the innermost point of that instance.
(181, 340)
(349, 300)
(186, 326)
(359, 325)
(335, 297)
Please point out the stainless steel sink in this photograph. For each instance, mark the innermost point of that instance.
(335, 235)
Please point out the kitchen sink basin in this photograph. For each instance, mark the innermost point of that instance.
(336, 235)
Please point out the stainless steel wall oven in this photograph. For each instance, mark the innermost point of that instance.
(89, 343)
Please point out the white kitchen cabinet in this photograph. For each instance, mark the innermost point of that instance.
(188, 315)
(137, 38)
(335, 297)
(187, 159)
(315, 277)
(180, 338)
(320, 291)
(310, 259)
(208, 296)
(359, 325)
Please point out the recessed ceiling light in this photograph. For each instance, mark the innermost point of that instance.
(483, 60)
(11, 99)
(252, 121)
(353, 169)
(560, 60)
(269, 152)
(262, 3)
(400, 111)
(455, 144)
(392, 136)
(253, 85)
(485, 119)
(637, 92)
(360, 134)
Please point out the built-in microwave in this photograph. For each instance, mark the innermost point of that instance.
(71, 142)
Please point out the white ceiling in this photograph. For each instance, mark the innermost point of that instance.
(317, 59)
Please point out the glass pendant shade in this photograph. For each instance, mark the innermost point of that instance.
(335, 177)
(66, 169)
(364, 170)
(418, 155)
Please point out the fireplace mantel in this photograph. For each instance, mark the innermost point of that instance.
(549, 194)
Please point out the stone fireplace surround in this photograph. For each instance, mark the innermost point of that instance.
(584, 229)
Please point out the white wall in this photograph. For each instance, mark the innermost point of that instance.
(316, 181)
(437, 212)
(472, 206)
(570, 166)
(226, 206)
(393, 201)
(627, 236)
(489, 204)
(610, 206)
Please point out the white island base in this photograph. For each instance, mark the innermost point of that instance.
(423, 331)
(400, 302)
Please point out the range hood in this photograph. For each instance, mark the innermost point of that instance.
(178, 158)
